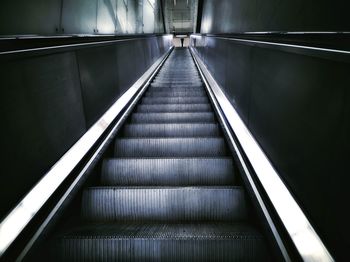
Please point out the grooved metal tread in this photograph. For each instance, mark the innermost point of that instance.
(204, 107)
(168, 171)
(171, 130)
(175, 89)
(170, 147)
(169, 193)
(167, 204)
(179, 75)
(174, 100)
(162, 242)
(205, 230)
(188, 86)
(177, 79)
(174, 82)
(170, 117)
(175, 93)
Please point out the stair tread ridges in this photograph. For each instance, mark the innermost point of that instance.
(164, 242)
(164, 230)
(205, 203)
(169, 193)
(170, 147)
(171, 130)
(174, 117)
(168, 171)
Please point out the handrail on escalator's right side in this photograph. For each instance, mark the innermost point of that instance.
(305, 239)
(332, 53)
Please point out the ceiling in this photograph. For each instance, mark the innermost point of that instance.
(180, 15)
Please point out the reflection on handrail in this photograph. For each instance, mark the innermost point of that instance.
(23, 213)
(301, 232)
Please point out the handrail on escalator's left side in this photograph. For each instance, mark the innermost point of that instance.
(25, 211)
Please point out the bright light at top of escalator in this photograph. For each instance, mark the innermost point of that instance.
(206, 25)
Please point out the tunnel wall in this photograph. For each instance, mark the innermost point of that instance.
(235, 16)
(296, 103)
(49, 99)
(297, 106)
(50, 17)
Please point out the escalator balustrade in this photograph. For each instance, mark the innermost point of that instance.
(170, 193)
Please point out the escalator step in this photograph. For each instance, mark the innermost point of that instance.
(171, 204)
(174, 85)
(162, 242)
(170, 165)
(194, 117)
(143, 108)
(174, 93)
(170, 147)
(182, 79)
(175, 68)
(186, 71)
(178, 78)
(174, 100)
(168, 172)
(172, 82)
(171, 130)
(175, 89)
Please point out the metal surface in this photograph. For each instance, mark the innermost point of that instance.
(29, 17)
(79, 16)
(151, 178)
(170, 147)
(167, 39)
(164, 242)
(304, 237)
(89, 17)
(95, 157)
(245, 169)
(164, 204)
(169, 172)
(235, 16)
(41, 104)
(313, 51)
(93, 75)
(296, 106)
(21, 215)
(42, 90)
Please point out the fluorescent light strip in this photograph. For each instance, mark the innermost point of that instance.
(22, 214)
(304, 237)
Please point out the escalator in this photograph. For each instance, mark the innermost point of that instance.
(171, 192)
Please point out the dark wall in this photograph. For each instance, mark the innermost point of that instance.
(49, 100)
(295, 102)
(297, 106)
(234, 16)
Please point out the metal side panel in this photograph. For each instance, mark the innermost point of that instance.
(304, 237)
(17, 220)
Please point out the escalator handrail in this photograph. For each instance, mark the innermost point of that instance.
(19, 218)
(62, 47)
(307, 242)
(309, 50)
